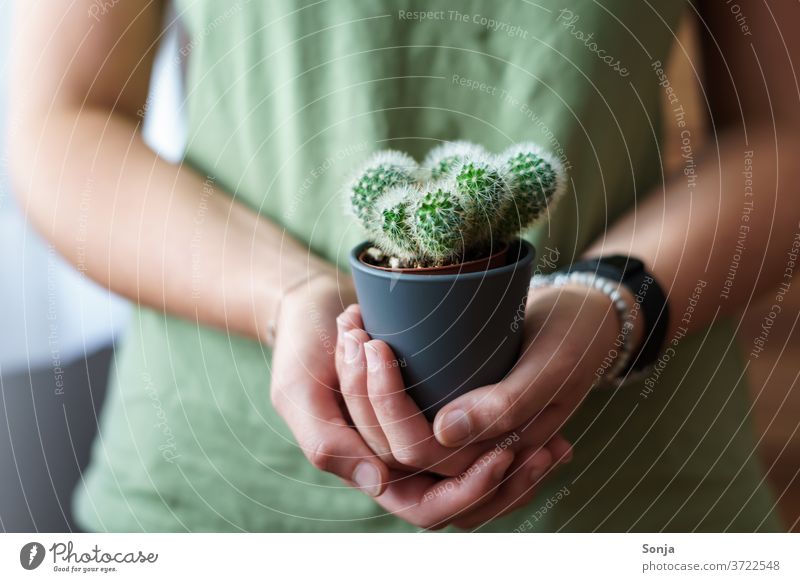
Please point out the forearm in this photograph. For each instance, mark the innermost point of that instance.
(162, 235)
(717, 240)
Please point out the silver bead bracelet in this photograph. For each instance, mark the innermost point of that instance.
(623, 346)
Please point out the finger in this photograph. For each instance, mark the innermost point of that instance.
(489, 411)
(315, 418)
(541, 428)
(408, 432)
(518, 488)
(431, 504)
(561, 449)
(353, 385)
(332, 446)
(348, 320)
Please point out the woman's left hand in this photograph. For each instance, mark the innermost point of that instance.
(570, 334)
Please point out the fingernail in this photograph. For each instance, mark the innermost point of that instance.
(368, 478)
(454, 428)
(567, 457)
(350, 347)
(501, 467)
(373, 357)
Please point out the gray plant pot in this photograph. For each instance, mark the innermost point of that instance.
(450, 333)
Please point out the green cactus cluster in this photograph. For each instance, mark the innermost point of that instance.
(460, 201)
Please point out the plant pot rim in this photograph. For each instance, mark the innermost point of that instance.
(483, 264)
(525, 254)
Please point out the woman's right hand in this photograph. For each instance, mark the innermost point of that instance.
(305, 392)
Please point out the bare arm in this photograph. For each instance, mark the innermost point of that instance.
(154, 232)
(694, 230)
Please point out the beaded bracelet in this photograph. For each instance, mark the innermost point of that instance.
(621, 305)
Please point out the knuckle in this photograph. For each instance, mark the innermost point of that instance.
(505, 407)
(380, 394)
(384, 402)
(383, 452)
(392, 463)
(409, 456)
(349, 388)
(321, 455)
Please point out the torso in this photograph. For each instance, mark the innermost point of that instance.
(284, 98)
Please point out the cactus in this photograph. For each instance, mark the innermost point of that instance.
(439, 223)
(535, 181)
(460, 202)
(382, 171)
(482, 190)
(395, 235)
(442, 159)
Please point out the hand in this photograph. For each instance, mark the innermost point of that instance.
(305, 392)
(569, 333)
(396, 430)
(304, 388)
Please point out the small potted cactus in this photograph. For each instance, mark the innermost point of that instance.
(444, 276)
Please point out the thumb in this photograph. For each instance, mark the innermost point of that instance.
(492, 411)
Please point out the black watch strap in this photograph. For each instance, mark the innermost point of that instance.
(647, 293)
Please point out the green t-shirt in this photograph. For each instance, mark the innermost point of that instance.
(284, 98)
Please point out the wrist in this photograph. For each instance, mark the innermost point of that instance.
(592, 306)
(319, 285)
(611, 321)
(608, 312)
(650, 310)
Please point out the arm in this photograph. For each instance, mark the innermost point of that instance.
(684, 235)
(690, 233)
(130, 220)
(111, 206)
